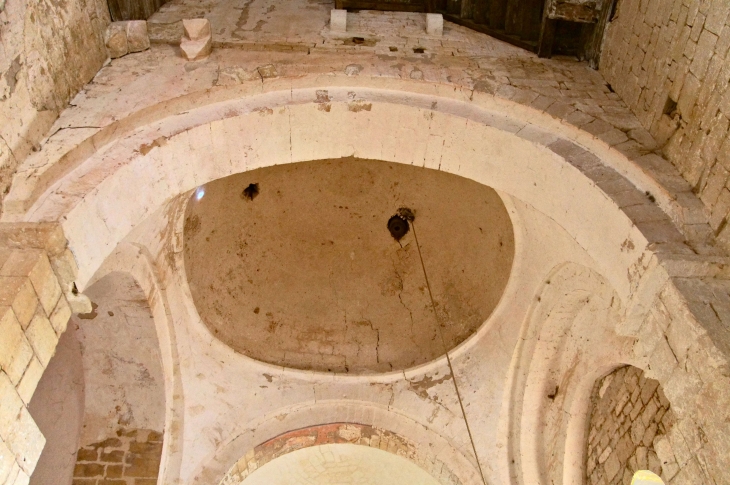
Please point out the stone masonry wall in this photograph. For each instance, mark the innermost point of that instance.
(130, 458)
(35, 270)
(48, 51)
(669, 61)
(629, 413)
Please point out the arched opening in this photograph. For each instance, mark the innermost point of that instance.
(340, 463)
(340, 453)
(628, 428)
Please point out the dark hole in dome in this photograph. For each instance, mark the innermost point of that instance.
(398, 227)
(418, 50)
(250, 192)
(358, 40)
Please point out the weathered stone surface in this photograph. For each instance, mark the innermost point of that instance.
(196, 29)
(137, 38)
(673, 71)
(115, 39)
(195, 50)
(198, 41)
(435, 24)
(134, 455)
(338, 20)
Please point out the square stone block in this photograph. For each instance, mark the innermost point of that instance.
(30, 379)
(137, 38)
(435, 24)
(15, 350)
(10, 405)
(18, 293)
(42, 338)
(115, 39)
(338, 20)
(60, 316)
(45, 284)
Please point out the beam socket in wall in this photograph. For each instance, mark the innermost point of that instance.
(670, 107)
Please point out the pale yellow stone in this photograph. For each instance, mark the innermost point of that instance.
(42, 338)
(46, 284)
(30, 379)
(195, 50)
(196, 29)
(17, 291)
(61, 314)
(10, 405)
(15, 351)
(7, 460)
(26, 440)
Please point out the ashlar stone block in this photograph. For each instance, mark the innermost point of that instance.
(137, 38)
(338, 20)
(18, 293)
(115, 39)
(60, 316)
(196, 29)
(10, 405)
(15, 350)
(197, 43)
(42, 338)
(195, 50)
(435, 24)
(30, 380)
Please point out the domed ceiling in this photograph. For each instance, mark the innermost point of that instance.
(346, 265)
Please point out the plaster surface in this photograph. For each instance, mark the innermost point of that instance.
(302, 270)
(121, 360)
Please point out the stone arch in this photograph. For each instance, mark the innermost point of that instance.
(504, 145)
(568, 341)
(422, 445)
(339, 433)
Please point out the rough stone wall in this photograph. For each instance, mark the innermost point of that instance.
(669, 61)
(34, 270)
(48, 51)
(130, 458)
(629, 414)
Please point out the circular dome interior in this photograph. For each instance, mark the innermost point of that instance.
(346, 265)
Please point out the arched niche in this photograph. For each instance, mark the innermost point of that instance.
(568, 341)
